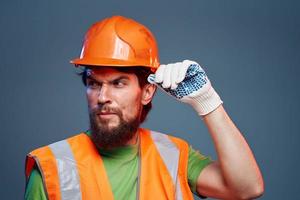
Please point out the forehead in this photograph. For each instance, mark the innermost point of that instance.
(109, 73)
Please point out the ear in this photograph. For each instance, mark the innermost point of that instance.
(147, 93)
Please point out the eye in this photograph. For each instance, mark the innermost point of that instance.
(92, 84)
(119, 83)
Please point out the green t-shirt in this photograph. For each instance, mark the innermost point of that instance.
(121, 162)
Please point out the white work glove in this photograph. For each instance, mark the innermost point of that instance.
(188, 83)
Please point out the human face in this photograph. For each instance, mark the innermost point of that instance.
(116, 93)
(115, 105)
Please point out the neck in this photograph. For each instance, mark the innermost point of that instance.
(134, 139)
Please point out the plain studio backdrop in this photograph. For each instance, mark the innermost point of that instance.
(249, 49)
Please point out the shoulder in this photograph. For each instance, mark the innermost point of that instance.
(45, 153)
(58, 143)
(159, 136)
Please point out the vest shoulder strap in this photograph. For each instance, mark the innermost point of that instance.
(168, 155)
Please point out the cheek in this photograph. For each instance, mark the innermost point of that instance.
(91, 99)
(131, 106)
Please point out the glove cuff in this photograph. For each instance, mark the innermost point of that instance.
(205, 102)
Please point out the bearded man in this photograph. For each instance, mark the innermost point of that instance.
(115, 158)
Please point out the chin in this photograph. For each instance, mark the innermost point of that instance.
(109, 125)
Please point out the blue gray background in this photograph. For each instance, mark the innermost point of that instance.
(249, 49)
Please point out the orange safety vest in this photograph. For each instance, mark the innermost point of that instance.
(73, 168)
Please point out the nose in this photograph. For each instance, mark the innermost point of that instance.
(104, 95)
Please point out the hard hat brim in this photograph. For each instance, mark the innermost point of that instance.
(109, 62)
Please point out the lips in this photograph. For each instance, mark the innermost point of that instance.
(106, 115)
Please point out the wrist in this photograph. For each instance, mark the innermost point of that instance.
(205, 102)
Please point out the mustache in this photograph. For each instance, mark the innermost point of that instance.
(105, 108)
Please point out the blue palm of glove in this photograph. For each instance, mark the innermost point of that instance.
(195, 79)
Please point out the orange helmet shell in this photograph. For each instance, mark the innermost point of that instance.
(119, 42)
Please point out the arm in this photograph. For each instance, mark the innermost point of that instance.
(34, 187)
(235, 175)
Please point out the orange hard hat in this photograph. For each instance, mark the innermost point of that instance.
(119, 42)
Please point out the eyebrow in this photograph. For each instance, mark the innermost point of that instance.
(112, 81)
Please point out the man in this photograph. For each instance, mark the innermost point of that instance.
(115, 159)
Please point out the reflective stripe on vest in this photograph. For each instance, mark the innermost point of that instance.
(67, 171)
(170, 155)
(163, 171)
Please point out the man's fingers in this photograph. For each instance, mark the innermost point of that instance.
(174, 75)
(170, 75)
(167, 76)
(181, 73)
(159, 74)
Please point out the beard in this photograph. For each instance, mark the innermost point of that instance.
(105, 137)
